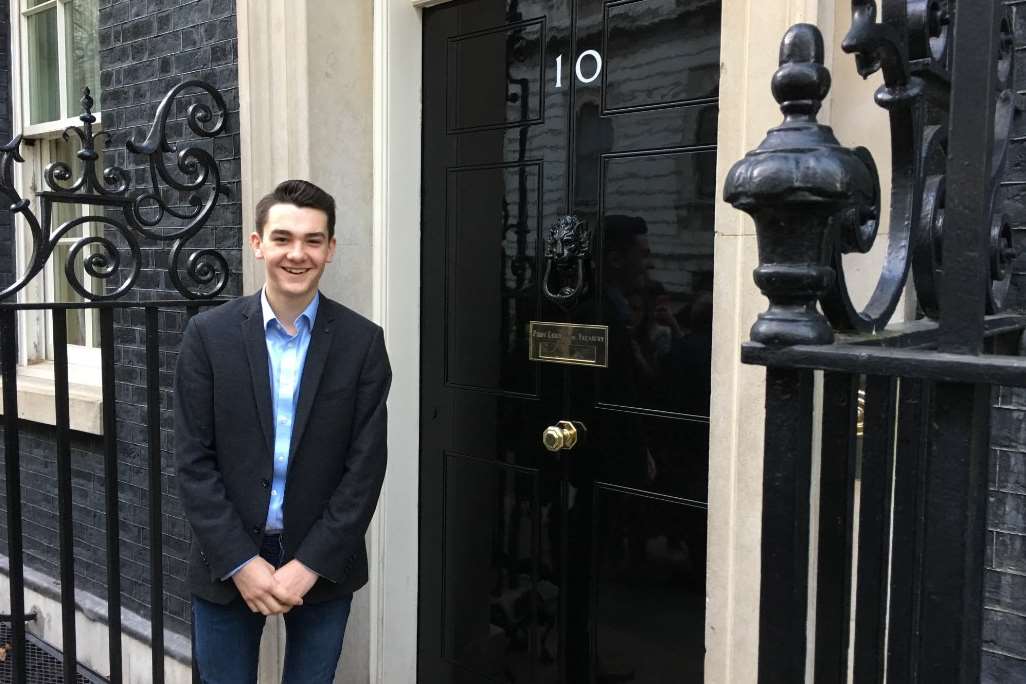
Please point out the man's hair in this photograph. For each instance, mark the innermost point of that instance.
(301, 193)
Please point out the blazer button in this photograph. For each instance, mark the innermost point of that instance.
(265, 483)
(256, 529)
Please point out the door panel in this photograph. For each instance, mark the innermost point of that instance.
(658, 258)
(491, 274)
(660, 53)
(480, 74)
(492, 552)
(586, 565)
(649, 603)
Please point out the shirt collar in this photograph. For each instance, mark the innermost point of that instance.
(310, 312)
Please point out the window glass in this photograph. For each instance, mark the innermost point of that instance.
(83, 324)
(83, 63)
(60, 53)
(44, 93)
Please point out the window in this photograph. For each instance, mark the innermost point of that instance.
(60, 58)
(54, 43)
(83, 324)
(54, 55)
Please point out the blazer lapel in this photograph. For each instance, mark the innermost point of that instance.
(256, 351)
(316, 357)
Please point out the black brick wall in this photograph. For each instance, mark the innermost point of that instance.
(1004, 648)
(146, 48)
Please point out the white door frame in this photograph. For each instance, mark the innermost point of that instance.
(393, 545)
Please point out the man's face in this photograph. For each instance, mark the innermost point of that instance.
(295, 248)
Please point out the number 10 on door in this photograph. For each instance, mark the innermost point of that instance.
(595, 65)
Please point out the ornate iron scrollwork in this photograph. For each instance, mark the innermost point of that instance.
(883, 46)
(142, 212)
(815, 201)
(567, 261)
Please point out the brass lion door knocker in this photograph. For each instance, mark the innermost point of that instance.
(567, 259)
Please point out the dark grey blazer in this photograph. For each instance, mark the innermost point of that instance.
(224, 445)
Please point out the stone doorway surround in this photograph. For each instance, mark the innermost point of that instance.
(331, 91)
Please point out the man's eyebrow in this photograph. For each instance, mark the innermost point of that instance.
(285, 232)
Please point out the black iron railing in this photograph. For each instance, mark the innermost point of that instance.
(199, 275)
(903, 479)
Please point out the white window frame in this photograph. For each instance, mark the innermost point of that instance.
(35, 392)
(36, 330)
(19, 19)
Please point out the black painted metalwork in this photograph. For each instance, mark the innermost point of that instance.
(568, 265)
(148, 212)
(65, 532)
(43, 664)
(836, 513)
(12, 473)
(110, 476)
(155, 494)
(785, 563)
(143, 210)
(874, 528)
(919, 473)
(794, 202)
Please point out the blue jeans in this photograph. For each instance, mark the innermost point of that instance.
(226, 638)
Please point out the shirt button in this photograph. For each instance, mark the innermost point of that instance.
(283, 420)
(274, 492)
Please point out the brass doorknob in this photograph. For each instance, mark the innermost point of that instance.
(562, 435)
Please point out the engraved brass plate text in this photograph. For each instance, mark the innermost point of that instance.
(584, 345)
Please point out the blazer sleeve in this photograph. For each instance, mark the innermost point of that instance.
(339, 533)
(216, 525)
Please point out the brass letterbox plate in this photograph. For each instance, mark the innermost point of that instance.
(583, 345)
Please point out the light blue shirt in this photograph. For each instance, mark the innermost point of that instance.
(286, 355)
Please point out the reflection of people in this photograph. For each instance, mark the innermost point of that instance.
(690, 360)
(280, 446)
(627, 260)
(664, 328)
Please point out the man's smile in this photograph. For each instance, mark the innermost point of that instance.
(295, 271)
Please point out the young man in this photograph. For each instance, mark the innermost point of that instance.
(280, 448)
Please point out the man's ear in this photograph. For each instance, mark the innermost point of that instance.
(331, 249)
(256, 242)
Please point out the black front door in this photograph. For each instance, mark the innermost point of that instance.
(584, 564)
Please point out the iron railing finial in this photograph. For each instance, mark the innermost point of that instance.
(797, 182)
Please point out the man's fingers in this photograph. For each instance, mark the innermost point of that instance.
(264, 601)
(286, 597)
(268, 606)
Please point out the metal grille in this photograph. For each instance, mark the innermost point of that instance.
(904, 409)
(143, 212)
(43, 663)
